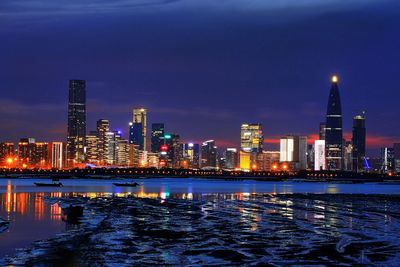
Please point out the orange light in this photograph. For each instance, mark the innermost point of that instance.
(24, 166)
(254, 166)
(285, 167)
(9, 160)
(275, 167)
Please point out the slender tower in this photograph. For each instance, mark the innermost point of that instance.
(140, 117)
(76, 122)
(359, 141)
(333, 130)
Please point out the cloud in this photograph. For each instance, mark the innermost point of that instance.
(74, 7)
(12, 107)
(108, 108)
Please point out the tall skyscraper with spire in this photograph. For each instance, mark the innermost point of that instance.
(333, 129)
(76, 122)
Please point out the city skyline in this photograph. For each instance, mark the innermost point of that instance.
(271, 142)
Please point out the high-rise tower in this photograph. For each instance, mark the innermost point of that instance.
(76, 122)
(358, 141)
(140, 116)
(333, 129)
(157, 133)
(251, 137)
(103, 127)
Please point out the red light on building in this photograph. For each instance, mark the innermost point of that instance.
(164, 148)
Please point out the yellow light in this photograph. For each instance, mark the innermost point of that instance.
(24, 166)
(9, 160)
(335, 79)
(275, 167)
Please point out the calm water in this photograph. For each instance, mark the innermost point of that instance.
(32, 218)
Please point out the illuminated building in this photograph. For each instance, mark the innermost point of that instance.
(103, 127)
(41, 155)
(319, 155)
(209, 154)
(231, 158)
(172, 142)
(191, 154)
(92, 148)
(157, 134)
(396, 154)
(136, 135)
(140, 116)
(133, 155)
(333, 130)
(153, 160)
(293, 148)
(347, 156)
(387, 159)
(251, 138)
(26, 151)
(76, 122)
(122, 152)
(112, 139)
(245, 160)
(57, 155)
(267, 159)
(359, 142)
(6, 154)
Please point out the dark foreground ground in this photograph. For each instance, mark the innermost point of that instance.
(255, 230)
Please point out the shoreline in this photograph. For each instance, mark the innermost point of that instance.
(351, 180)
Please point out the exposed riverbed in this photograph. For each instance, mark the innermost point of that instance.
(250, 229)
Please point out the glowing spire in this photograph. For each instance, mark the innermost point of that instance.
(335, 79)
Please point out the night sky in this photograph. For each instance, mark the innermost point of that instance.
(201, 66)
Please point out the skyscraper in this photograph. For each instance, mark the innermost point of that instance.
(191, 153)
(157, 135)
(293, 148)
(112, 139)
(57, 155)
(387, 159)
(358, 140)
(26, 151)
(76, 121)
(209, 154)
(136, 135)
(319, 155)
(103, 127)
(231, 158)
(140, 116)
(333, 130)
(92, 148)
(251, 137)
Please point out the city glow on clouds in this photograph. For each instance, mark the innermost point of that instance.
(49, 7)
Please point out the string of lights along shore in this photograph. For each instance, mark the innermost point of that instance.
(163, 148)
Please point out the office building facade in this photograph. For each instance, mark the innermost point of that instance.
(76, 122)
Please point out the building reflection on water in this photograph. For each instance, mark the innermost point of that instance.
(317, 212)
(21, 204)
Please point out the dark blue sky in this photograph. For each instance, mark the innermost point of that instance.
(203, 67)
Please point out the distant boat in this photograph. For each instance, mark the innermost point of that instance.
(134, 184)
(58, 184)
